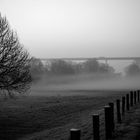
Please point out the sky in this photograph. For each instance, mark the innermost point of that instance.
(75, 28)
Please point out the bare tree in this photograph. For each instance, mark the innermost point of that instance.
(14, 61)
(91, 66)
(37, 69)
(61, 67)
(132, 69)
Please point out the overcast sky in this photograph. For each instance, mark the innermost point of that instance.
(76, 28)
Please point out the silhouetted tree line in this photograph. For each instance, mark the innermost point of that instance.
(37, 68)
(133, 69)
(92, 66)
(61, 67)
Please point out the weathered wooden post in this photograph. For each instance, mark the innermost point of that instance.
(127, 102)
(123, 105)
(108, 127)
(135, 97)
(75, 134)
(131, 98)
(112, 117)
(138, 92)
(96, 127)
(118, 111)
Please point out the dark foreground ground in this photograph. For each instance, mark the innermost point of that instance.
(130, 128)
(50, 118)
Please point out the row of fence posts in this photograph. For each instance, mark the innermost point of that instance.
(122, 106)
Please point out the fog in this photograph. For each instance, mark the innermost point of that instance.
(76, 28)
(82, 84)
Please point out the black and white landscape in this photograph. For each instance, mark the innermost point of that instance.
(61, 61)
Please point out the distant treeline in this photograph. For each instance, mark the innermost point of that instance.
(133, 69)
(61, 68)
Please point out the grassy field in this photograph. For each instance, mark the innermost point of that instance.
(51, 117)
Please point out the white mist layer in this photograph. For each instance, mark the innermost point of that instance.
(64, 84)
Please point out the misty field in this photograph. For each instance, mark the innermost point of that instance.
(51, 117)
(56, 105)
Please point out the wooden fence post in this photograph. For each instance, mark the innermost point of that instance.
(75, 134)
(112, 116)
(127, 102)
(118, 111)
(123, 105)
(108, 127)
(96, 127)
(135, 97)
(138, 94)
(131, 98)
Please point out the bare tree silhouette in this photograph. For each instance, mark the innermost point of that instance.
(14, 61)
(132, 69)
